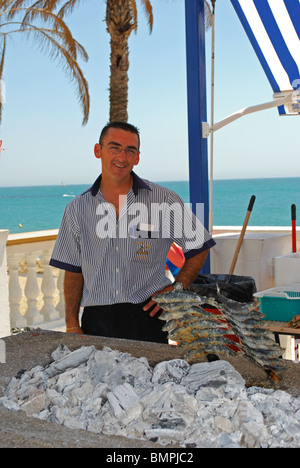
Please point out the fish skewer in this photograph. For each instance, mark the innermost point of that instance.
(181, 334)
(196, 323)
(191, 311)
(199, 343)
(181, 296)
(202, 332)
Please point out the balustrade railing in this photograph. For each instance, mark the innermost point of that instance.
(36, 296)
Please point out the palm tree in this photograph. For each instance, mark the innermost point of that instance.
(121, 20)
(51, 32)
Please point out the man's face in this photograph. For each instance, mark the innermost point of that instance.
(118, 166)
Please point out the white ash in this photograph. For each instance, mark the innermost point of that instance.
(109, 392)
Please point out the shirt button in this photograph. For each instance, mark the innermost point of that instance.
(117, 292)
(117, 270)
(117, 248)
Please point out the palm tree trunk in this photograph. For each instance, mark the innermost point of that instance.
(120, 23)
(119, 65)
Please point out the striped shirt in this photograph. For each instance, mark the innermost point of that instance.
(123, 260)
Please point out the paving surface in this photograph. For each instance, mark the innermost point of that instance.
(27, 350)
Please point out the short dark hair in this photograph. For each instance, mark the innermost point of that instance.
(127, 127)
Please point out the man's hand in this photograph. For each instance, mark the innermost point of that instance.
(186, 276)
(151, 303)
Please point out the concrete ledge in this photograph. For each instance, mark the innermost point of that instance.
(19, 431)
(27, 350)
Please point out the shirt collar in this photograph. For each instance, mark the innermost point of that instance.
(138, 184)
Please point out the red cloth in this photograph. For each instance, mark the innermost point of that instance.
(176, 256)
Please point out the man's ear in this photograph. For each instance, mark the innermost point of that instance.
(97, 151)
(137, 160)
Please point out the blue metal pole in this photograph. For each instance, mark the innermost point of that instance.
(197, 112)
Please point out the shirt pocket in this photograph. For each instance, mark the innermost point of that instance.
(144, 250)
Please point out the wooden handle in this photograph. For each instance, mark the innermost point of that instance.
(294, 233)
(241, 238)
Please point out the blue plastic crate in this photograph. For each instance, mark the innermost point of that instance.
(281, 303)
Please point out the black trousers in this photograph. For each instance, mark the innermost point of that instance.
(126, 320)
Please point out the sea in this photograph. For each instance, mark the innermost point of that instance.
(38, 208)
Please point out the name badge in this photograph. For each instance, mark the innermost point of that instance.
(144, 231)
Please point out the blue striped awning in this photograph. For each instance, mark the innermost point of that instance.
(273, 28)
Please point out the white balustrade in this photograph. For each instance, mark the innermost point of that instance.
(15, 292)
(48, 288)
(34, 289)
(4, 307)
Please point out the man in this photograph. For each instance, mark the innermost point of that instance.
(113, 243)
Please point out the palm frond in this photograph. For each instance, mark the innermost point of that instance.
(52, 36)
(134, 13)
(208, 13)
(148, 12)
(47, 41)
(49, 4)
(68, 7)
(32, 14)
(13, 8)
(2, 57)
(5, 5)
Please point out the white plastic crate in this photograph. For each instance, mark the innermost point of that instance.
(287, 269)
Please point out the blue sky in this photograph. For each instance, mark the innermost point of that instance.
(42, 133)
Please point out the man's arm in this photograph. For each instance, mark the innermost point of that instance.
(186, 276)
(73, 287)
(191, 269)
